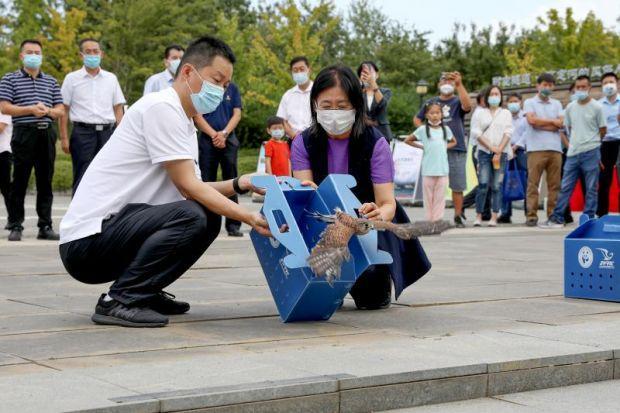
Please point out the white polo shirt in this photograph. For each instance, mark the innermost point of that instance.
(91, 99)
(129, 169)
(5, 135)
(295, 108)
(159, 81)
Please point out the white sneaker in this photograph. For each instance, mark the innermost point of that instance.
(550, 224)
(477, 223)
(493, 223)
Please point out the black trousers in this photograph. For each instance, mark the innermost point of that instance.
(5, 176)
(210, 158)
(609, 157)
(84, 145)
(142, 249)
(36, 148)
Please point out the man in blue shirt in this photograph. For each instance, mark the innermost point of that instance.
(218, 144)
(454, 107)
(33, 99)
(611, 142)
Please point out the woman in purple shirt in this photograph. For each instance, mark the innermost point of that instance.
(341, 141)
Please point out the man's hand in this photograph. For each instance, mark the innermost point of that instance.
(39, 110)
(219, 140)
(245, 183)
(456, 78)
(64, 145)
(310, 184)
(259, 223)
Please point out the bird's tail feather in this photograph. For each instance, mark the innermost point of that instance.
(328, 262)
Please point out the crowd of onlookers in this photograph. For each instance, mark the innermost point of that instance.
(514, 141)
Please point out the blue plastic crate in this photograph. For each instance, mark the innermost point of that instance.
(591, 254)
(299, 294)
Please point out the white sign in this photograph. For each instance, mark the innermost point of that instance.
(561, 76)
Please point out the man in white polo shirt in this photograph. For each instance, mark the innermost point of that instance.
(94, 100)
(295, 104)
(142, 215)
(163, 80)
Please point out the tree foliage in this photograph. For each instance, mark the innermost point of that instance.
(134, 34)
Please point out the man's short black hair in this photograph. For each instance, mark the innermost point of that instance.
(30, 41)
(88, 39)
(202, 51)
(367, 63)
(514, 95)
(583, 77)
(298, 59)
(173, 47)
(546, 77)
(274, 120)
(609, 74)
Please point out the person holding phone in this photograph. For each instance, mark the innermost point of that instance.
(376, 99)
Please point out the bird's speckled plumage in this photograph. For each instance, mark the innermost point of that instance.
(328, 255)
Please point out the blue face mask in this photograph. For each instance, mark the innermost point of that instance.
(33, 61)
(581, 95)
(209, 97)
(494, 101)
(545, 92)
(174, 65)
(573, 97)
(514, 107)
(92, 61)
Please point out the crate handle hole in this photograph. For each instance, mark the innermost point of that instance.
(281, 221)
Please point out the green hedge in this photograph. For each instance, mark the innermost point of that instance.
(63, 174)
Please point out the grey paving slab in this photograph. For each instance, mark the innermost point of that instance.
(602, 397)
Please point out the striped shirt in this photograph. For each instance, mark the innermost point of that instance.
(20, 89)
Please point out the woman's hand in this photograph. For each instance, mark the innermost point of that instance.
(309, 183)
(496, 150)
(371, 211)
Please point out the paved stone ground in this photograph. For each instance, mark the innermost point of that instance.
(489, 319)
(592, 398)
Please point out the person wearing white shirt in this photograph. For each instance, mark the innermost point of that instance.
(6, 130)
(142, 216)
(94, 101)
(162, 80)
(295, 104)
(610, 148)
(517, 143)
(492, 128)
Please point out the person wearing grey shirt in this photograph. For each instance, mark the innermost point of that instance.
(586, 124)
(544, 147)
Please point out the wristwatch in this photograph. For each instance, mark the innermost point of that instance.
(237, 188)
(225, 132)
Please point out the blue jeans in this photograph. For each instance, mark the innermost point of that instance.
(489, 178)
(521, 157)
(588, 164)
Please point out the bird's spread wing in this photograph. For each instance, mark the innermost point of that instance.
(412, 230)
(328, 255)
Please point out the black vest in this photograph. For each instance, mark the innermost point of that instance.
(360, 154)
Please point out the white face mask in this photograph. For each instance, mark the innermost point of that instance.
(446, 89)
(300, 77)
(336, 122)
(610, 89)
(277, 133)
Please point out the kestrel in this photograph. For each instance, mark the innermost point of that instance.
(332, 250)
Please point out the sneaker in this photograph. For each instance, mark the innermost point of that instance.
(458, 222)
(118, 314)
(165, 303)
(492, 223)
(235, 233)
(504, 219)
(531, 222)
(463, 216)
(477, 223)
(549, 224)
(47, 233)
(15, 235)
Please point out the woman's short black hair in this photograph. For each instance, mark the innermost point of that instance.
(369, 63)
(343, 76)
(481, 94)
(487, 93)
